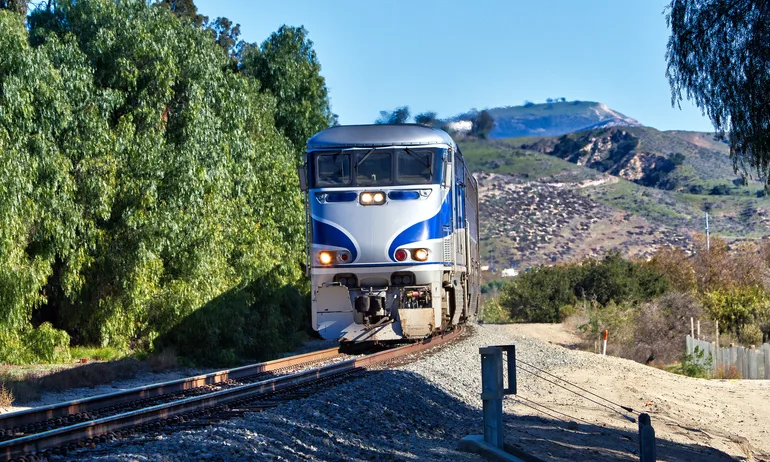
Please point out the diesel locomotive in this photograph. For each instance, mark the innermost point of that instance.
(392, 232)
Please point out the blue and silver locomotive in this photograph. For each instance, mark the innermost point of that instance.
(392, 232)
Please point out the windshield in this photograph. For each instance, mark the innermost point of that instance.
(333, 169)
(377, 167)
(374, 168)
(415, 166)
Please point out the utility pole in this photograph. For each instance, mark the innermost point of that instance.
(708, 246)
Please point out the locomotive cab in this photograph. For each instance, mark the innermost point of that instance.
(388, 244)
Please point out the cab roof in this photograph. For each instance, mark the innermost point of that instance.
(378, 135)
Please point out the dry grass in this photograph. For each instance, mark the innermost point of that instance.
(6, 397)
(729, 372)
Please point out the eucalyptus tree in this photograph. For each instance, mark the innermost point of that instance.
(719, 56)
(143, 179)
(400, 115)
(287, 67)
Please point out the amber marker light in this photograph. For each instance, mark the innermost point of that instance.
(325, 258)
(420, 254)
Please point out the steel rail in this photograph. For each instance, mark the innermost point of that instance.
(99, 427)
(54, 411)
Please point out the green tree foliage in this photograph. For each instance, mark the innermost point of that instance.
(696, 364)
(547, 294)
(719, 56)
(540, 295)
(429, 119)
(184, 9)
(227, 35)
(400, 115)
(142, 180)
(287, 67)
(738, 308)
(17, 6)
(483, 123)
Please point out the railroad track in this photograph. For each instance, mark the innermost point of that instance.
(35, 434)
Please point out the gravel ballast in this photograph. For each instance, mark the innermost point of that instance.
(421, 409)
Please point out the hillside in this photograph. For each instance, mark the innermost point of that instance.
(667, 160)
(560, 199)
(555, 118)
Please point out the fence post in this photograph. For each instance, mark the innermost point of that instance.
(492, 394)
(767, 361)
(752, 356)
(688, 342)
(646, 439)
(734, 358)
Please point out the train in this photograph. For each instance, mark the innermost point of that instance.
(392, 233)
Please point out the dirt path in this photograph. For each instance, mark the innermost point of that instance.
(694, 419)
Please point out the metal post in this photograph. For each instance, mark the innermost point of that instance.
(604, 344)
(646, 439)
(492, 394)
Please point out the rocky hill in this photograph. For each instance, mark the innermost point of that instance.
(531, 223)
(633, 189)
(666, 160)
(554, 118)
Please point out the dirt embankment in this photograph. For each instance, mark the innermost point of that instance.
(730, 416)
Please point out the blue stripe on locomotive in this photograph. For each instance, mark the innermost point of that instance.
(424, 230)
(435, 227)
(326, 234)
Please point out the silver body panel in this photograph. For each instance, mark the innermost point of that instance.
(371, 234)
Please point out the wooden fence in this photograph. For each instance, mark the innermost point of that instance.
(750, 363)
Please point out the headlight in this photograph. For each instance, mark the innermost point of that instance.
(372, 198)
(420, 254)
(325, 258)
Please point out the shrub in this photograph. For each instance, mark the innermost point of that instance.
(538, 295)
(542, 294)
(695, 364)
(737, 308)
(750, 334)
(730, 372)
(661, 326)
(48, 345)
(43, 344)
(6, 397)
(493, 312)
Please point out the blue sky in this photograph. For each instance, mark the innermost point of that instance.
(449, 57)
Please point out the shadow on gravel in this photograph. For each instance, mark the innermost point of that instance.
(398, 415)
(551, 439)
(28, 387)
